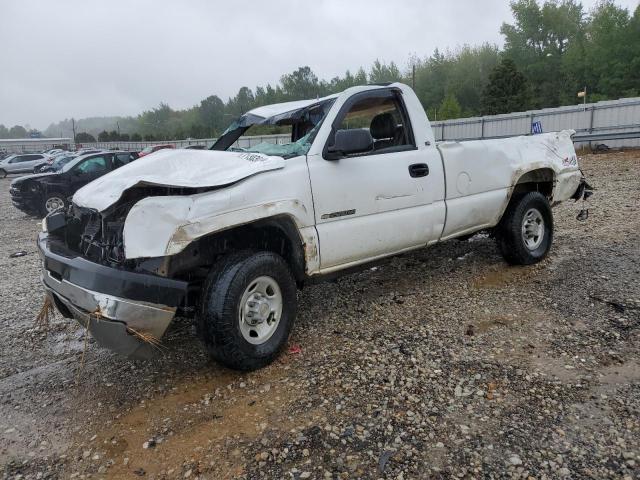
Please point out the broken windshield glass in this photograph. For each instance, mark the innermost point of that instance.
(304, 116)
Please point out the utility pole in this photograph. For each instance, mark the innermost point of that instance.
(73, 127)
(118, 124)
(413, 76)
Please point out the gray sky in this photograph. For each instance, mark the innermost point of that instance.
(79, 58)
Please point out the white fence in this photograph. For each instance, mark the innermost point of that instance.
(614, 122)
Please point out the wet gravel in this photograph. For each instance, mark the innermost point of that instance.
(441, 363)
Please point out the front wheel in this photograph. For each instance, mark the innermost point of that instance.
(3, 173)
(247, 310)
(525, 233)
(53, 201)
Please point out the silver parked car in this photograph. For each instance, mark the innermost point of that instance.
(21, 163)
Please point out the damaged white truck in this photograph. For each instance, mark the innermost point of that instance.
(228, 236)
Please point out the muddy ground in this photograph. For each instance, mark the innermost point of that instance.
(442, 363)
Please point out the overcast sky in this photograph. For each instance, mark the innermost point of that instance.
(78, 58)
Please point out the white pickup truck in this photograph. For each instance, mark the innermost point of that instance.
(227, 235)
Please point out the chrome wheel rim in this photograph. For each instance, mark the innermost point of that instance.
(260, 310)
(532, 229)
(53, 203)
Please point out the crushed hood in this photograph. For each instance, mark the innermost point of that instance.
(175, 168)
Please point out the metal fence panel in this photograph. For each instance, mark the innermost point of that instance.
(615, 122)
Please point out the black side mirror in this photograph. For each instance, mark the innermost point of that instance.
(348, 142)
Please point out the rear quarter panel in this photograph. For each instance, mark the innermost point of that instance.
(480, 175)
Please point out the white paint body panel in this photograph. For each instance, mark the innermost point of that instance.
(481, 173)
(467, 189)
(175, 168)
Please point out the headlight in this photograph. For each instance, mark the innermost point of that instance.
(33, 187)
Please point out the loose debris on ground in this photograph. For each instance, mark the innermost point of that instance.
(442, 363)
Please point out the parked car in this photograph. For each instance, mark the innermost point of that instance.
(154, 148)
(21, 163)
(56, 164)
(86, 151)
(49, 161)
(53, 151)
(229, 236)
(195, 147)
(46, 192)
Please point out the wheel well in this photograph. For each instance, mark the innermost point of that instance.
(539, 180)
(276, 234)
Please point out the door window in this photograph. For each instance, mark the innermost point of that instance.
(384, 117)
(121, 159)
(92, 166)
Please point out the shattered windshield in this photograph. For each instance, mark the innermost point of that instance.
(287, 150)
(304, 121)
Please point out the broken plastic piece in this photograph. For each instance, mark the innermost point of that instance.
(20, 253)
(294, 349)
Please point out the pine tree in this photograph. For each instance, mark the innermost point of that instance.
(449, 108)
(507, 90)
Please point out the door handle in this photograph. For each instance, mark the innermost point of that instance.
(419, 170)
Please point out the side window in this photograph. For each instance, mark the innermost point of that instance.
(24, 158)
(121, 159)
(92, 165)
(384, 118)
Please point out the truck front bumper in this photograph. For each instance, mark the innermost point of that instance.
(112, 303)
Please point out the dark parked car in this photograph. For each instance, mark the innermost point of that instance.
(57, 163)
(46, 192)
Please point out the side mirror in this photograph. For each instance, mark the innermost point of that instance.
(348, 142)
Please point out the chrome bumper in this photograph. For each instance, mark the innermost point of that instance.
(109, 316)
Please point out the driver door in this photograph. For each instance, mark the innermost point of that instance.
(381, 201)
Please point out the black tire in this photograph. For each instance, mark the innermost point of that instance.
(512, 241)
(3, 173)
(218, 321)
(49, 196)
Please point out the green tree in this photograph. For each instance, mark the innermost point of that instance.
(507, 90)
(17, 131)
(301, 84)
(211, 115)
(84, 137)
(136, 137)
(382, 73)
(537, 42)
(4, 132)
(449, 108)
(103, 136)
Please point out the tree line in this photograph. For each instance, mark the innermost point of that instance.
(553, 49)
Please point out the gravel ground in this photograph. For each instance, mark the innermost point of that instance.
(442, 363)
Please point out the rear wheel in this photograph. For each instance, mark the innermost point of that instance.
(52, 202)
(525, 233)
(247, 310)
(3, 173)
